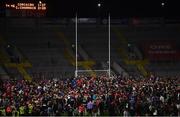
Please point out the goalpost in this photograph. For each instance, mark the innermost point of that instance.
(108, 71)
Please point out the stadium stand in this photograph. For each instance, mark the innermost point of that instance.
(38, 56)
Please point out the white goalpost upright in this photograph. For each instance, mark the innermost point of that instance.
(109, 49)
(109, 38)
(76, 46)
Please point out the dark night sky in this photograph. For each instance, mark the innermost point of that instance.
(117, 8)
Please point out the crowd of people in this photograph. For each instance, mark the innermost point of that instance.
(91, 96)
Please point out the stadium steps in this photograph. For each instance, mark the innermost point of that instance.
(48, 60)
(4, 60)
(24, 73)
(123, 53)
(80, 63)
(122, 41)
(68, 53)
(21, 68)
(85, 64)
(139, 64)
(142, 69)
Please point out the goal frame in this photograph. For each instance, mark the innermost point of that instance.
(109, 49)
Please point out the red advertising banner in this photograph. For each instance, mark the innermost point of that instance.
(161, 51)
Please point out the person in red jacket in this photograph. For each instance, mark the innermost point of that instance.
(8, 111)
(81, 109)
